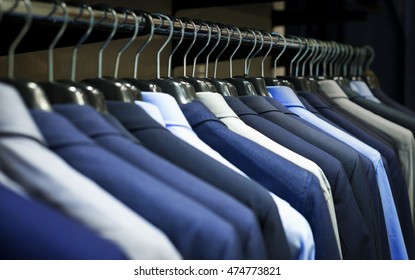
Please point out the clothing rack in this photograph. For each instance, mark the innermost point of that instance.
(48, 13)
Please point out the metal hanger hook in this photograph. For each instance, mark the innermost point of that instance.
(222, 51)
(182, 30)
(162, 17)
(282, 51)
(371, 57)
(297, 54)
(83, 39)
(130, 41)
(203, 48)
(19, 37)
(143, 46)
(234, 52)
(271, 45)
(349, 58)
(315, 58)
(250, 53)
(105, 45)
(257, 51)
(195, 30)
(297, 67)
(311, 55)
(213, 48)
(57, 38)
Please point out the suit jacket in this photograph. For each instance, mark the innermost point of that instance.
(162, 142)
(398, 184)
(403, 137)
(354, 234)
(52, 235)
(293, 184)
(197, 234)
(384, 98)
(25, 155)
(90, 122)
(356, 171)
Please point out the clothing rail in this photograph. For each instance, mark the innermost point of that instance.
(53, 13)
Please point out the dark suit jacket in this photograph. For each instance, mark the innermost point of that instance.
(32, 231)
(354, 234)
(243, 220)
(297, 186)
(162, 142)
(357, 172)
(196, 232)
(398, 184)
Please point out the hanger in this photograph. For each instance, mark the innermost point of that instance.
(274, 81)
(343, 56)
(93, 95)
(299, 82)
(219, 36)
(258, 82)
(199, 84)
(222, 86)
(309, 57)
(243, 86)
(58, 92)
(318, 53)
(32, 94)
(359, 63)
(368, 75)
(181, 90)
(144, 85)
(112, 88)
(337, 62)
(337, 56)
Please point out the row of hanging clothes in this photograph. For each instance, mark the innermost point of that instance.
(317, 164)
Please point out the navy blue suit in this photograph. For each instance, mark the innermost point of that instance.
(384, 98)
(159, 140)
(354, 236)
(30, 230)
(91, 123)
(297, 186)
(357, 172)
(398, 184)
(196, 232)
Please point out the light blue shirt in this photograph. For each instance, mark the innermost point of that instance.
(289, 99)
(177, 124)
(363, 90)
(297, 230)
(152, 110)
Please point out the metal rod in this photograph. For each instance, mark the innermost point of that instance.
(41, 11)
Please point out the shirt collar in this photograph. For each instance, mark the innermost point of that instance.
(14, 116)
(332, 89)
(313, 99)
(361, 88)
(58, 131)
(152, 110)
(217, 104)
(86, 119)
(168, 106)
(238, 106)
(132, 116)
(308, 106)
(258, 103)
(196, 112)
(285, 95)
